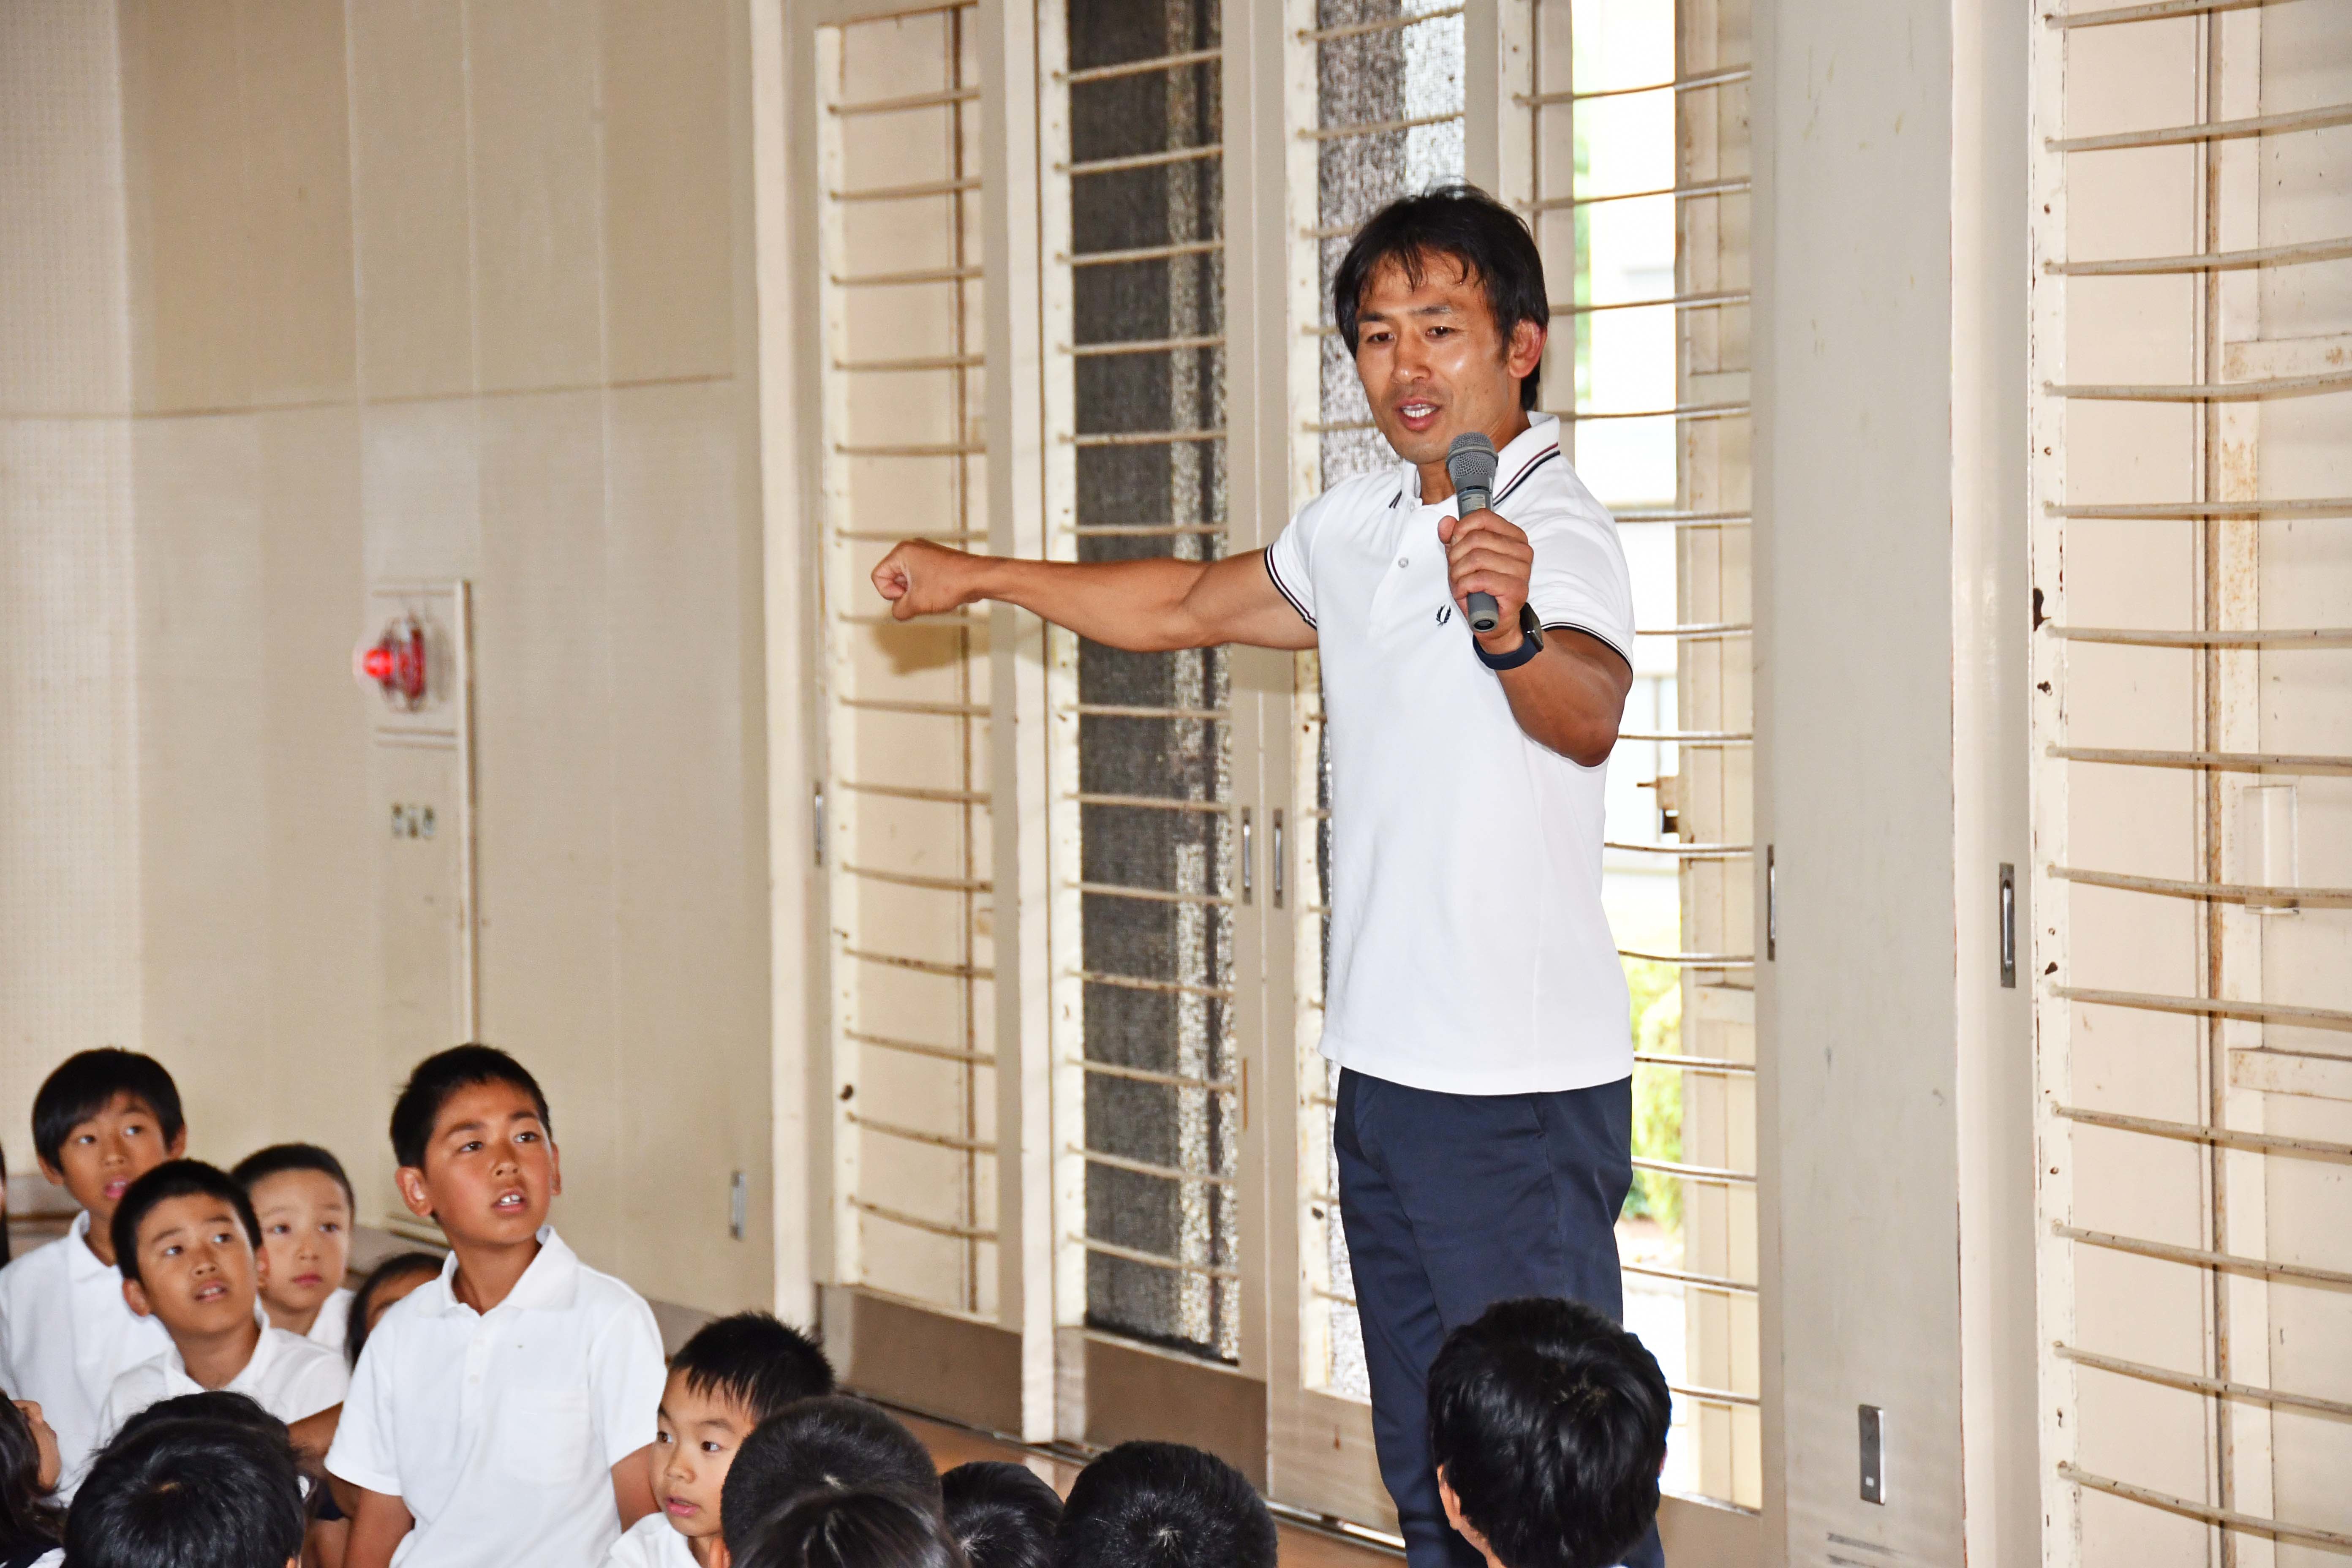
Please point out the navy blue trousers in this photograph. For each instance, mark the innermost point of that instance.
(1452, 1202)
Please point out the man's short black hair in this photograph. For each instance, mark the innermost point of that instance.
(1549, 1423)
(280, 1157)
(1459, 222)
(176, 1179)
(1003, 1515)
(443, 1074)
(755, 1361)
(188, 1494)
(867, 1528)
(86, 1083)
(829, 1444)
(1163, 1505)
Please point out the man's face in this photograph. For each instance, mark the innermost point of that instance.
(197, 1271)
(1434, 364)
(102, 1156)
(306, 1232)
(697, 1434)
(490, 1169)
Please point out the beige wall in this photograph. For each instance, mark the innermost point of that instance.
(69, 823)
(424, 291)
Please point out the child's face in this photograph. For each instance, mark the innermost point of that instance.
(489, 1171)
(102, 1156)
(697, 1434)
(197, 1271)
(51, 1464)
(306, 1234)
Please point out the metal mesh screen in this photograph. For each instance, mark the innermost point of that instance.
(1154, 746)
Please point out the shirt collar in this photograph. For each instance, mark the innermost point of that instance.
(266, 1350)
(552, 1281)
(81, 1263)
(1513, 463)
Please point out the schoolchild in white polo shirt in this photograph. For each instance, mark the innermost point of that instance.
(190, 1255)
(102, 1121)
(1476, 1006)
(499, 1413)
(304, 1202)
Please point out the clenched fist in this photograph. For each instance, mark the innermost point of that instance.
(920, 578)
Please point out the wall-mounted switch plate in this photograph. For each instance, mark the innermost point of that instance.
(1873, 1455)
(739, 1204)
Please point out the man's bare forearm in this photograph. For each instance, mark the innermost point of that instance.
(1140, 606)
(1571, 696)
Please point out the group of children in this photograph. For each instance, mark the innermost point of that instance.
(190, 1384)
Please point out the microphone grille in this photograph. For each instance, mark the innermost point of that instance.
(1470, 462)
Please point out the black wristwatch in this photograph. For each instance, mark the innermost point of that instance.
(1530, 644)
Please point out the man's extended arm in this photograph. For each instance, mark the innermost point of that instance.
(1145, 607)
(1571, 696)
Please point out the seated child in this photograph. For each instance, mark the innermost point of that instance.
(499, 1415)
(102, 1121)
(304, 1202)
(187, 1238)
(1002, 1515)
(1163, 1505)
(832, 1444)
(1547, 1426)
(388, 1283)
(189, 1494)
(734, 1373)
(31, 1523)
(853, 1530)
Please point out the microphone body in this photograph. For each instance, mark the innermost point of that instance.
(1470, 464)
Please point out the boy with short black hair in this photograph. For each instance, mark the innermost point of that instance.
(497, 1414)
(1002, 1514)
(731, 1376)
(1547, 1425)
(188, 1246)
(304, 1201)
(832, 1444)
(102, 1121)
(1163, 1505)
(189, 1494)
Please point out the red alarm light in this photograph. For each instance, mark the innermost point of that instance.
(394, 664)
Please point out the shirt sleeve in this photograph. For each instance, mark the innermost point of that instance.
(363, 1452)
(322, 1385)
(1579, 581)
(627, 1372)
(1286, 561)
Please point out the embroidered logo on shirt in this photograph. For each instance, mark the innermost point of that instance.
(1444, 614)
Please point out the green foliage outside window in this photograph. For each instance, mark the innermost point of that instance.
(1657, 1092)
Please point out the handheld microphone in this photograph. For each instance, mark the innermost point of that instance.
(1470, 464)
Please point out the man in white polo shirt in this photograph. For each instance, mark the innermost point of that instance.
(1477, 1006)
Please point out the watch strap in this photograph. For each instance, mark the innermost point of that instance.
(1530, 644)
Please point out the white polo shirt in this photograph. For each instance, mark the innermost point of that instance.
(66, 1334)
(288, 1376)
(500, 1430)
(333, 1321)
(652, 1542)
(1469, 953)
